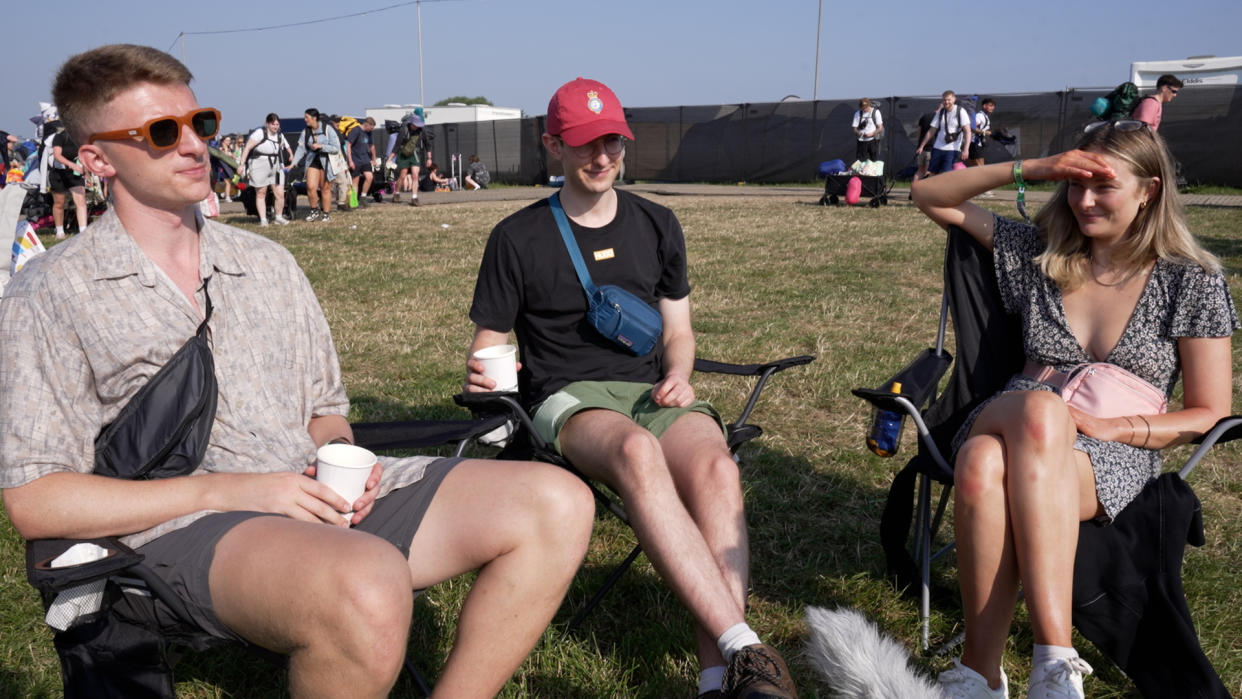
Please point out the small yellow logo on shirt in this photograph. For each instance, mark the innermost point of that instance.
(606, 254)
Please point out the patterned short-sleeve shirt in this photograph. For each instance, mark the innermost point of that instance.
(84, 326)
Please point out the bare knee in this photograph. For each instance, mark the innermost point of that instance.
(1043, 420)
(715, 474)
(639, 462)
(979, 471)
(563, 512)
(367, 611)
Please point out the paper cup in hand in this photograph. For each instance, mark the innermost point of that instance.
(345, 468)
(500, 365)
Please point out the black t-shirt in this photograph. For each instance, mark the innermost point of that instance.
(359, 146)
(527, 284)
(68, 147)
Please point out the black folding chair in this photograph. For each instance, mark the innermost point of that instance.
(125, 650)
(527, 445)
(990, 351)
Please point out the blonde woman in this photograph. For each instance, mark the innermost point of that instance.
(1109, 272)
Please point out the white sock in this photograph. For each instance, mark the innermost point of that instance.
(711, 679)
(60, 230)
(735, 638)
(1043, 654)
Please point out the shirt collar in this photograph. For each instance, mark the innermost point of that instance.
(117, 255)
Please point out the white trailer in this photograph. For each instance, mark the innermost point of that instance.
(1196, 70)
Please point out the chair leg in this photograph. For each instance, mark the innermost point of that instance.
(612, 579)
(419, 683)
(923, 552)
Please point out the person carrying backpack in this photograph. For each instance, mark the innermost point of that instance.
(408, 154)
(317, 144)
(951, 126)
(868, 126)
(262, 160)
(981, 128)
(1151, 108)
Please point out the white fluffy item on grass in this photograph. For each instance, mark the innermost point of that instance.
(860, 662)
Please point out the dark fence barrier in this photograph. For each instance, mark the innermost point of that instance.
(786, 141)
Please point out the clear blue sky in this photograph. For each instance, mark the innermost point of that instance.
(651, 52)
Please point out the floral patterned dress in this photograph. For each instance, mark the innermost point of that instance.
(1179, 300)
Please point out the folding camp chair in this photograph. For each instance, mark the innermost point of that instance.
(989, 347)
(124, 650)
(527, 445)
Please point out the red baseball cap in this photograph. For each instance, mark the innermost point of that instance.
(582, 110)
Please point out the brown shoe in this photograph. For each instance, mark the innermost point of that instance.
(415, 202)
(758, 672)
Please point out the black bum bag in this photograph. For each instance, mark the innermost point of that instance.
(164, 429)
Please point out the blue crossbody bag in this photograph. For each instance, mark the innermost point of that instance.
(616, 313)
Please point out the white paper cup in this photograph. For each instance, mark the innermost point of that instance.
(344, 468)
(500, 365)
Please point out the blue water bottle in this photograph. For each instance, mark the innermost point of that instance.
(885, 434)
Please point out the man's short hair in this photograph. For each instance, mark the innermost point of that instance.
(986, 101)
(272, 118)
(369, 121)
(946, 93)
(94, 78)
(1170, 80)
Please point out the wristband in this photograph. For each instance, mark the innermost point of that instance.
(1017, 179)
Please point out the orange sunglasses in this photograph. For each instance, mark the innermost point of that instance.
(165, 132)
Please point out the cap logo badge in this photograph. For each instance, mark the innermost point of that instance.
(594, 103)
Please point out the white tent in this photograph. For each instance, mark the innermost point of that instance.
(1196, 70)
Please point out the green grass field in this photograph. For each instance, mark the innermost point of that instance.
(773, 277)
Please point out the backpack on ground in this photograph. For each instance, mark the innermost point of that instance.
(1117, 104)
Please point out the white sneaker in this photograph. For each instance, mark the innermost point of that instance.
(1058, 679)
(262, 224)
(282, 220)
(960, 682)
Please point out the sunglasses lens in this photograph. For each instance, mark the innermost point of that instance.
(1129, 125)
(164, 133)
(205, 123)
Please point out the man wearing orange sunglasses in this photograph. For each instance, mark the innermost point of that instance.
(256, 549)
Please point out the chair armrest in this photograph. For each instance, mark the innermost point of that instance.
(714, 367)
(418, 434)
(763, 372)
(1226, 429)
(918, 379)
(48, 580)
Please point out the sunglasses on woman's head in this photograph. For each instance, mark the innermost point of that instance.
(1125, 125)
(163, 133)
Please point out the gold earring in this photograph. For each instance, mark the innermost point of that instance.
(1142, 205)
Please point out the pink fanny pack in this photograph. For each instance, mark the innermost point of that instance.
(1102, 389)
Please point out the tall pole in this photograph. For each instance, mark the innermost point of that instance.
(819, 24)
(419, 6)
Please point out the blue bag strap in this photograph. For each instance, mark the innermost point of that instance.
(562, 222)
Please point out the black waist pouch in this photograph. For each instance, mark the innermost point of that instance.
(164, 429)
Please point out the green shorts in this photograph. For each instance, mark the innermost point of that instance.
(626, 397)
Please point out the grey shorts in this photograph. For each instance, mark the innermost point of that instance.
(183, 557)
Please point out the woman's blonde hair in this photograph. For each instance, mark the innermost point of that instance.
(1159, 229)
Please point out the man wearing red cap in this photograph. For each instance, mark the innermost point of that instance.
(629, 420)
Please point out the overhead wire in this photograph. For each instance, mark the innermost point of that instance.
(304, 22)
